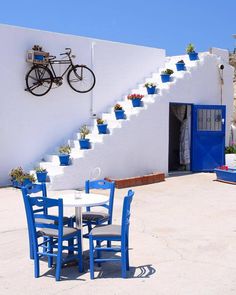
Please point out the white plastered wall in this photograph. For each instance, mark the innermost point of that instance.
(30, 127)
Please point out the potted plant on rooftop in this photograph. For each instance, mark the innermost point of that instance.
(64, 155)
(193, 55)
(180, 65)
(165, 75)
(136, 99)
(41, 174)
(119, 112)
(102, 126)
(151, 87)
(84, 142)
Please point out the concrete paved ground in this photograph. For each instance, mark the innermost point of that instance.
(183, 242)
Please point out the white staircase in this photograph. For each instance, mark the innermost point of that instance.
(106, 149)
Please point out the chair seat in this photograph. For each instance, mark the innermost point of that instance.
(50, 221)
(93, 216)
(110, 230)
(50, 232)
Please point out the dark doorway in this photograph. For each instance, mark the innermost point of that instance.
(179, 118)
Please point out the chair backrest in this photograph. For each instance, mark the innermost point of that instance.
(105, 185)
(126, 215)
(38, 219)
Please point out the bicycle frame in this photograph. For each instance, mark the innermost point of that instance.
(59, 62)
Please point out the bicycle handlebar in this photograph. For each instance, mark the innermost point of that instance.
(66, 53)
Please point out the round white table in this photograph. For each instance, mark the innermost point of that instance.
(79, 200)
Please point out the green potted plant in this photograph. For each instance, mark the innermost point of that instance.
(119, 112)
(102, 126)
(193, 55)
(41, 174)
(84, 142)
(151, 87)
(165, 75)
(136, 99)
(64, 155)
(180, 65)
(16, 175)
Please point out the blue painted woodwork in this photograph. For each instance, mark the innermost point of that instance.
(165, 78)
(84, 143)
(120, 114)
(42, 176)
(122, 237)
(151, 90)
(102, 128)
(50, 228)
(136, 102)
(180, 66)
(193, 55)
(64, 159)
(226, 175)
(208, 137)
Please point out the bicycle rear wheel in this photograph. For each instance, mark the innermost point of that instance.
(81, 79)
(39, 80)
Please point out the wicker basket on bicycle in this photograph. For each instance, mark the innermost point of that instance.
(37, 56)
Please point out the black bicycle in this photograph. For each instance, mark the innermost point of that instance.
(41, 76)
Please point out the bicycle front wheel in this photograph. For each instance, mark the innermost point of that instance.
(81, 79)
(39, 80)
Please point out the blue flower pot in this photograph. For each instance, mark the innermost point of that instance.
(193, 55)
(84, 144)
(136, 102)
(151, 90)
(120, 114)
(42, 176)
(102, 128)
(165, 78)
(16, 184)
(26, 182)
(64, 159)
(180, 66)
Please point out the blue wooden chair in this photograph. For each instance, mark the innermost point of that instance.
(38, 189)
(50, 229)
(111, 232)
(91, 217)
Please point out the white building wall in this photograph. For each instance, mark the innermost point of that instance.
(32, 126)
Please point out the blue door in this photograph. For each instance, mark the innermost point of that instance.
(208, 137)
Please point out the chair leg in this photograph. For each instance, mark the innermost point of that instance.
(59, 258)
(31, 250)
(36, 263)
(50, 250)
(80, 253)
(123, 262)
(91, 257)
(98, 243)
(108, 244)
(127, 256)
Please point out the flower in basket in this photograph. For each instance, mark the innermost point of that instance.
(100, 121)
(118, 107)
(167, 72)
(16, 173)
(190, 48)
(84, 131)
(64, 149)
(135, 96)
(150, 84)
(40, 169)
(180, 62)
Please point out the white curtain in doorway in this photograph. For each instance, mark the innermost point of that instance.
(182, 114)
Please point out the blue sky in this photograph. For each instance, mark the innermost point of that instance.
(165, 24)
